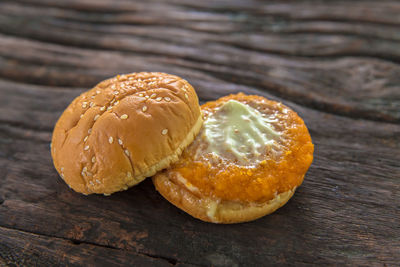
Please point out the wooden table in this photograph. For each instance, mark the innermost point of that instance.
(335, 62)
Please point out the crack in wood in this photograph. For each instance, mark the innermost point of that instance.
(170, 260)
(235, 9)
(20, 124)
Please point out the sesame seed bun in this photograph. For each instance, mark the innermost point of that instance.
(123, 130)
(220, 186)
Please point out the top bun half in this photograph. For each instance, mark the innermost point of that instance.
(123, 130)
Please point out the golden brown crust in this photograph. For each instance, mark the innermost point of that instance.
(124, 129)
(222, 191)
(210, 210)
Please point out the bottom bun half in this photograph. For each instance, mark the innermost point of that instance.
(216, 211)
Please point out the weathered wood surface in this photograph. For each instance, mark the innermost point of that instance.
(337, 63)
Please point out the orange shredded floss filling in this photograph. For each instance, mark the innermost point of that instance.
(228, 181)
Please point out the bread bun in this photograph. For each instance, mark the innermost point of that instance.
(123, 130)
(247, 161)
(209, 209)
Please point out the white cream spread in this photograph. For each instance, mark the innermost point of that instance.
(211, 205)
(211, 210)
(186, 183)
(239, 131)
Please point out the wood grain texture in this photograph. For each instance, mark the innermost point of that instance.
(337, 63)
(27, 249)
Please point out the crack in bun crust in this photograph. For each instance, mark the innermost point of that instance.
(123, 130)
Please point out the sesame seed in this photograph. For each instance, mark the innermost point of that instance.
(144, 108)
(96, 117)
(91, 104)
(153, 95)
(112, 101)
(81, 116)
(62, 169)
(89, 131)
(102, 108)
(91, 183)
(110, 139)
(92, 97)
(116, 92)
(109, 108)
(129, 174)
(62, 175)
(105, 194)
(113, 86)
(124, 116)
(186, 95)
(167, 99)
(84, 104)
(97, 91)
(127, 152)
(85, 139)
(120, 142)
(158, 98)
(116, 103)
(84, 169)
(125, 188)
(165, 131)
(86, 148)
(97, 181)
(93, 159)
(147, 97)
(141, 95)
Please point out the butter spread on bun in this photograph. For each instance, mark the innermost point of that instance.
(248, 159)
(123, 130)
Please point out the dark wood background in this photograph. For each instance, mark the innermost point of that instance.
(337, 63)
